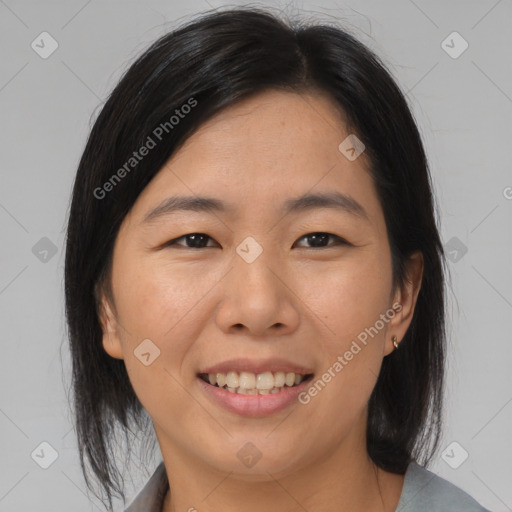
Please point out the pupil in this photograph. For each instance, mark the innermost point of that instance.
(316, 237)
(196, 240)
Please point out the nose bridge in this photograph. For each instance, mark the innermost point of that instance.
(255, 296)
(255, 266)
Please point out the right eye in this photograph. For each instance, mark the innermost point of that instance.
(192, 240)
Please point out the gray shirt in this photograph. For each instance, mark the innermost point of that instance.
(422, 491)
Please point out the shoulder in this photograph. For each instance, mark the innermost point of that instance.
(151, 497)
(424, 490)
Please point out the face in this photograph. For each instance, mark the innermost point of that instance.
(257, 288)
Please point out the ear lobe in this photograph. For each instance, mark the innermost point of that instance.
(111, 342)
(407, 296)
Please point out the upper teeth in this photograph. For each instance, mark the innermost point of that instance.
(260, 381)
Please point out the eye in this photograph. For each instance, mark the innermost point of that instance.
(196, 240)
(319, 239)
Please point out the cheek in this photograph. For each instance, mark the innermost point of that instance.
(350, 301)
(155, 298)
(167, 305)
(162, 305)
(347, 296)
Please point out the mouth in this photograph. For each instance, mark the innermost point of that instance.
(247, 383)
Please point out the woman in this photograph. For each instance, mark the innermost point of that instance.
(253, 265)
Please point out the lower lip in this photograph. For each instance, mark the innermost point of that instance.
(254, 405)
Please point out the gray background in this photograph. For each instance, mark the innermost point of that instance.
(463, 106)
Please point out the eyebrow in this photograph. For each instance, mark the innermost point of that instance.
(202, 204)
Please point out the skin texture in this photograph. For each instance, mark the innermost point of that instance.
(307, 304)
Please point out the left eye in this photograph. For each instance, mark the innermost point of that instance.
(196, 240)
(318, 240)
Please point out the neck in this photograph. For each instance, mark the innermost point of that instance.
(346, 476)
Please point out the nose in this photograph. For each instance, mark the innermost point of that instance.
(258, 299)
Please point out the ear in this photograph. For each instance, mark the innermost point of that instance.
(111, 342)
(404, 301)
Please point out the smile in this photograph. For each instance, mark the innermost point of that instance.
(247, 383)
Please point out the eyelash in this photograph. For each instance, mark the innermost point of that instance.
(339, 240)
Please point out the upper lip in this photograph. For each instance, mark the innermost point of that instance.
(257, 366)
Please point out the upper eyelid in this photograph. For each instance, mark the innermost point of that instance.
(332, 235)
(340, 239)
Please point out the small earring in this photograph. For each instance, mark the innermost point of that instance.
(395, 342)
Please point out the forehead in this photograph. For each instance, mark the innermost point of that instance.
(271, 122)
(261, 152)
